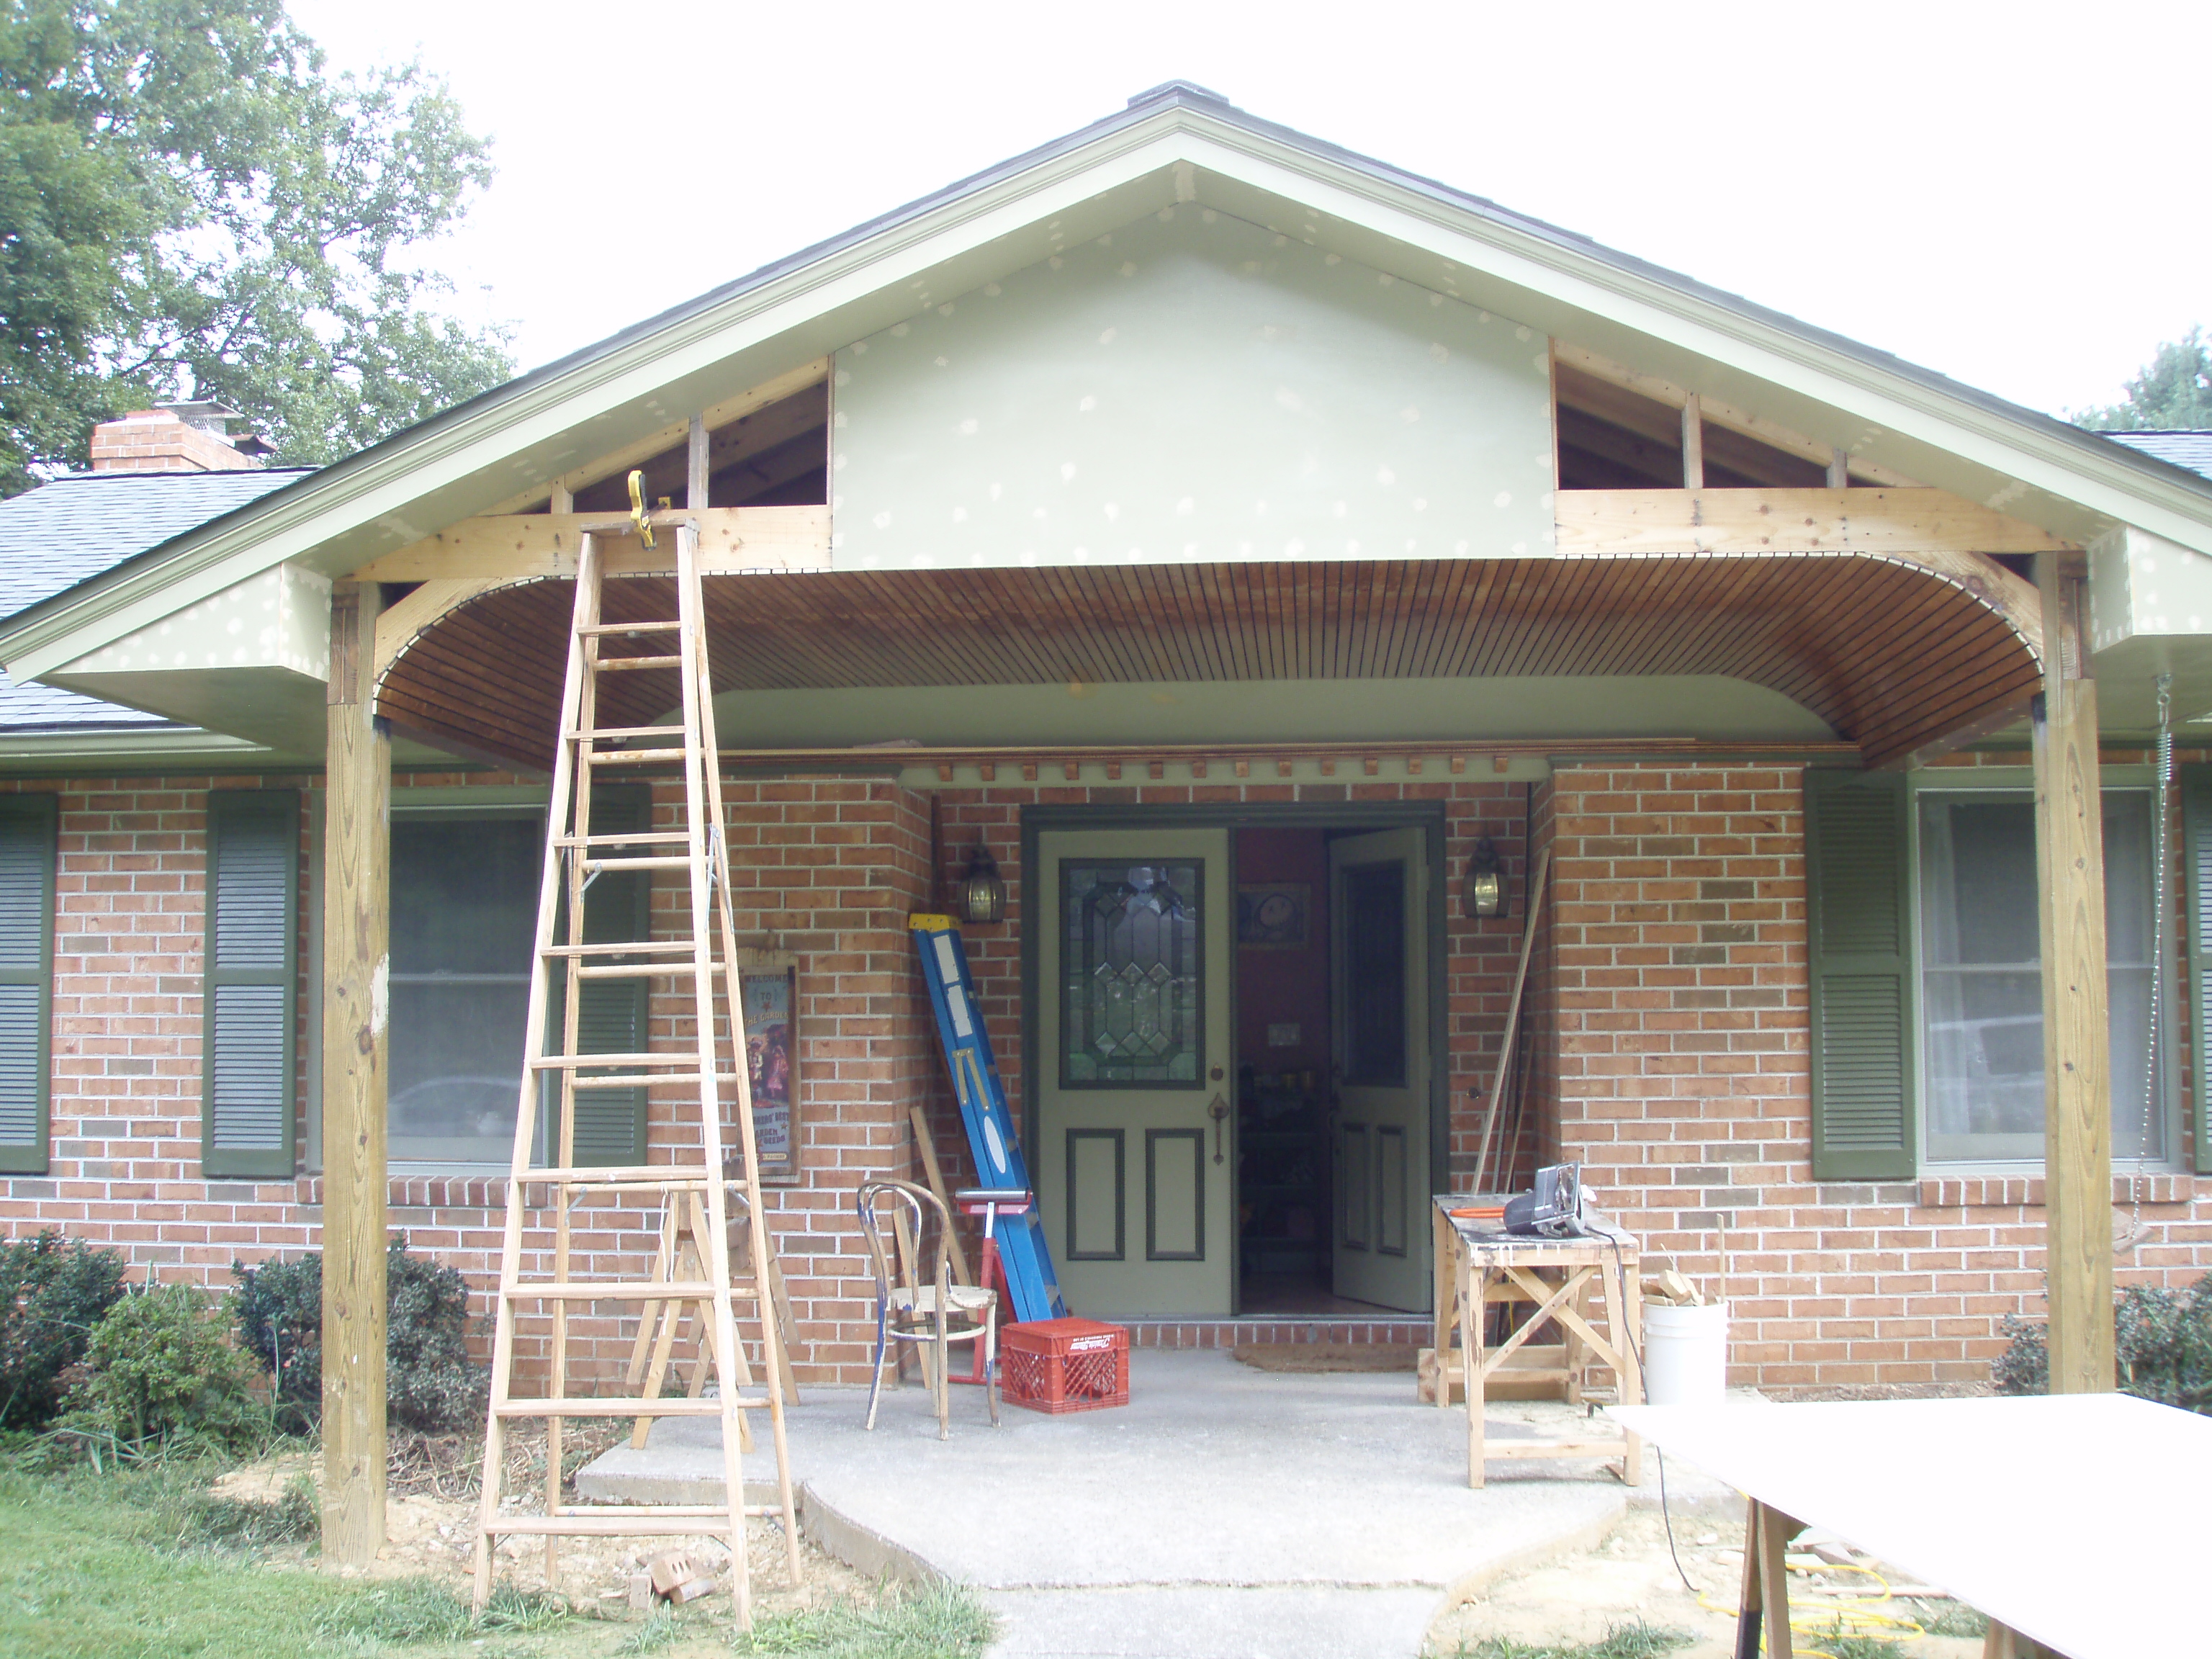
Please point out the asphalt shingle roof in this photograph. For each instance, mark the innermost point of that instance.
(64, 533)
(2191, 449)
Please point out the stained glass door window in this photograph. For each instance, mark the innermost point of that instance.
(1133, 986)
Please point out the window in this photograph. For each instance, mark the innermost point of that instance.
(465, 867)
(26, 978)
(1926, 977)
(1981, 985)
(1133, 978)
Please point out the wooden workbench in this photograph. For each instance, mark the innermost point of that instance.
(1482, 1266)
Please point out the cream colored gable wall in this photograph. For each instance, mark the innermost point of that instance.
(280, 618)
(1192, 387)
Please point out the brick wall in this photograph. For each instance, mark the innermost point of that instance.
(1679, 995)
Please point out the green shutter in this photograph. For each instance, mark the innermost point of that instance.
(2196, 860)
(610, 1017)
(26, 979)
(250, 997)
(1861, 966)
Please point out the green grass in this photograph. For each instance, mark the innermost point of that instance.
(1636, 1641)
(935, 1623)
(147, 1563)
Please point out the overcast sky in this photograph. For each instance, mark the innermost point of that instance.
(2013, 195)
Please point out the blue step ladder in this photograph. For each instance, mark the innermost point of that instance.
(1030, 1282)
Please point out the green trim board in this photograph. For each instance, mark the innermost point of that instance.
(28, 838)
(250, 989)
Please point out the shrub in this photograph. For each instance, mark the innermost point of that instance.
(430, 1383)
(53, 1292)
(160, 1367)
(2161, 1339)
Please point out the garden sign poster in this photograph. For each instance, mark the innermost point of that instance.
(767, 997)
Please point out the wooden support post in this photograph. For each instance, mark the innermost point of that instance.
(694, 493)
(1839, 469)
(1693, 443)
(356, 929)
(2077, 1061)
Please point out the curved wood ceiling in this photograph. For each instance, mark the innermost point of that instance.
(1891, 656)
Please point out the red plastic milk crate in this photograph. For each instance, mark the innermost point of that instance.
(1064, 1364)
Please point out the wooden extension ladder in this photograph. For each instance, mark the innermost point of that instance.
(693, 1190)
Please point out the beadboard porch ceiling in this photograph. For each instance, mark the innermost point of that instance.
(1892, 658)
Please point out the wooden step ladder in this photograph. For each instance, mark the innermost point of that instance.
(693, 1188)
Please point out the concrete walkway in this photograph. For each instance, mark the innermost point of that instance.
(1224, 1512)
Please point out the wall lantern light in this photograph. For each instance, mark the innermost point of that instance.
(1486, 880)
(982, 890)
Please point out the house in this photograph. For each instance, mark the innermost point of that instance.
(1251, 550)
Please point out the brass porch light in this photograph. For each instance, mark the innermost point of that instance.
(1486, 880)
(982, 890)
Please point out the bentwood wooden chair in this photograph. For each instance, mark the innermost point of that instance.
(908, 1236)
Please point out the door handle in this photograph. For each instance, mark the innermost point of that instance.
(1218, 1112)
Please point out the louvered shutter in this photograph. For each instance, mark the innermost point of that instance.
(251, 983)
(2196, 856)
(610, 1017)
(26, 978)
(1865, 1109)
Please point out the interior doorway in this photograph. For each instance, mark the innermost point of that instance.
(1334, 1069)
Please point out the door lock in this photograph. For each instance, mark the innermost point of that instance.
(1218, 1112)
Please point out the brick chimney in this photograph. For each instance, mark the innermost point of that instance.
(175, 438)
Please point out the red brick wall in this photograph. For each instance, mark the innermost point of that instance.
(1683, 1085)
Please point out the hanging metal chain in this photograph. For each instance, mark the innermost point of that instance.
(2156, 1046)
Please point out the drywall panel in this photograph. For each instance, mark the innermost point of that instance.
(1192, 387)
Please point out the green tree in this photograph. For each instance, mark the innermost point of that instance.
(2172, 392)
(192, 207)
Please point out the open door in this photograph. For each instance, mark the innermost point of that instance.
(1136, 1136)
(1378, 894)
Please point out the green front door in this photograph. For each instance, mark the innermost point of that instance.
(1136, 1134)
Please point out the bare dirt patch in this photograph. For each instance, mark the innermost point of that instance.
(1630, 1576)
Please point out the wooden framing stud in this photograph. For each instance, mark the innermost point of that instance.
(1693, 443)
(1839, 469)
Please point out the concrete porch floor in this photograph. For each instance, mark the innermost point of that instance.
(1224, 1513)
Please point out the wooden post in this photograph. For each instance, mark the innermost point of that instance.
(1693, 443)
(356, 929)
(2069, 856)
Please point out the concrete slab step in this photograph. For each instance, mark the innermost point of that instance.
(1210, 1622)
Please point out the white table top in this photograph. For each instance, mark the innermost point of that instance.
(2083, 1520)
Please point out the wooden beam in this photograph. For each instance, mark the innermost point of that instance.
(1815, 450)
(356, 928)
(636, 454)
(2077, 1102)
(522, 545)
(1898, 522)
(697, 458)
(1693, 445)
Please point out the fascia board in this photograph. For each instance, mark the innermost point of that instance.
(177, 743)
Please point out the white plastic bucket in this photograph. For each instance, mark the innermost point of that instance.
(1685, 1354)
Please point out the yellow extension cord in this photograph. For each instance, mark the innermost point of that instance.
(1848, 1615)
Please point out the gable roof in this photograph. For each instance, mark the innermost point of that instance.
(1177, 142)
